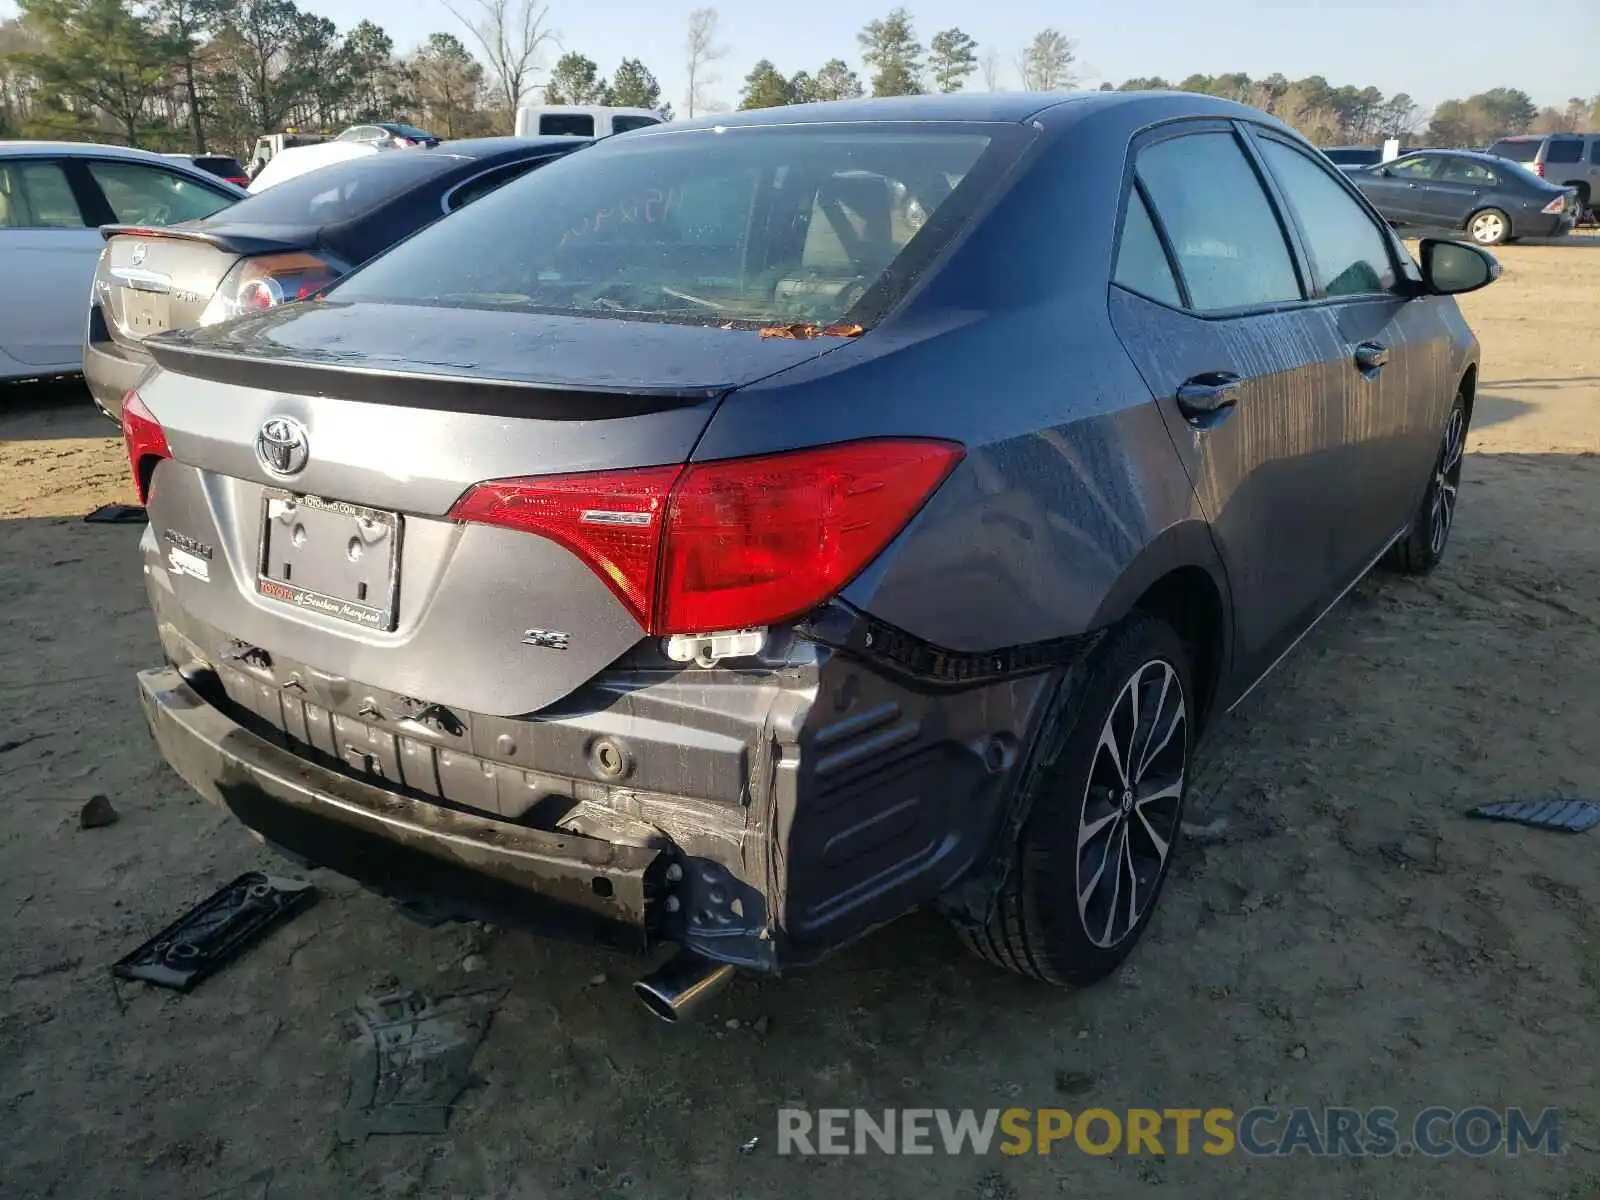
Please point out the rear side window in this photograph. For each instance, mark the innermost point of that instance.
(558, 124)
(141, 195)
(475, 189)
(1229, 244)
(1349, 255)
(1564, 150)
(36, 195)
(1522, 151)
(762, 225)
(1466, 170)
(343, 191)
(1142, 264)
(1594, 151)
(624, 123)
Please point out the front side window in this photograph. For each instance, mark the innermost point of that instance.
(36, 195)
(1142, 264)
(142, 195)
(760, 225)
(625, 122)
(1349, 254)
(1230, 247)
(1418, 166)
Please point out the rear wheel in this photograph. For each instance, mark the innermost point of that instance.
(1489, 227)
(1105, 810)
(1423, 546)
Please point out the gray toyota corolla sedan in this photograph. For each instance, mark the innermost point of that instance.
(740, 532)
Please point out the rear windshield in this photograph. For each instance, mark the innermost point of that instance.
(764, 225)
(407, 131)
(624, 123)
(1516, 151)
(1564, 150)
(558, 124)
(342, 191)
(222, 166)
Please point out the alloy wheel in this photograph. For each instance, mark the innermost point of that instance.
(1131, 803)
(1446, 481)
(1488, 228)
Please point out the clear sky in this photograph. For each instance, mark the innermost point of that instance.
(1433, 49)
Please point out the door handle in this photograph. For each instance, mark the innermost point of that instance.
(1370, 356)
(1208, 394)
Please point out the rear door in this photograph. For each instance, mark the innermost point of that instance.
(49, 247)
(1210, 304)
(1459, 187)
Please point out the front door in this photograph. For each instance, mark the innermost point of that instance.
(1210, 305)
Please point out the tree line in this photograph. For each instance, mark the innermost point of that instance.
(212, 74)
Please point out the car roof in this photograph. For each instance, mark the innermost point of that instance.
(77, 150)
(491, 147)
(978, 107)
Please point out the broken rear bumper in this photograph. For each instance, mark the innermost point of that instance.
(412, 850)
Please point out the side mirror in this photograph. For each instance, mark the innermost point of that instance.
(1384, 171)
(1451, 268)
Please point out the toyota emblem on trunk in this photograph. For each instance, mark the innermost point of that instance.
(282, 446)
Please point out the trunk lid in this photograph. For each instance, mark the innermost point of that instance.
(369, 580)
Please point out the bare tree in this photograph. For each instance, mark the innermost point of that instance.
(1045, 64)
(512, 34)
(989, 66)
(702, 50)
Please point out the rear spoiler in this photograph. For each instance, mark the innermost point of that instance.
(412, 388)
(222, 239)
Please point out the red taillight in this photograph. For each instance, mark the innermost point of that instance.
(241, 180)
(1555, 206)
(730, 544)
(146, 442)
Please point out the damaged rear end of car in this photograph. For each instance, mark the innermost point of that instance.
(451, 605)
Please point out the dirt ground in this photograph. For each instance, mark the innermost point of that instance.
(1338, 935)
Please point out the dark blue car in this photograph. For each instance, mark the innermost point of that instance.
(744, 531)
(1492, 199)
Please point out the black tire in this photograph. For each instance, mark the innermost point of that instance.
(1424, 544)
(1037, 927)
(1495, 227)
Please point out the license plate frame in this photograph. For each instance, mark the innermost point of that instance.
(145, 312)
(379, 608)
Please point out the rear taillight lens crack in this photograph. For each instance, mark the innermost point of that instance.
(729, 544)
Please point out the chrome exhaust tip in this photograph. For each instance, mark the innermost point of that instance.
(682, 985)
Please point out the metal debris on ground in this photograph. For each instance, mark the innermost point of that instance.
(216, 930)
(413, 1059)
(750, 1146)
(1561, 814)
(118, 514)
(97, 813)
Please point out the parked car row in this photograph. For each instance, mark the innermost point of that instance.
(700, 541)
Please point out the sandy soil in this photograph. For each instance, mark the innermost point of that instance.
(1346, 938)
